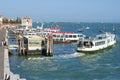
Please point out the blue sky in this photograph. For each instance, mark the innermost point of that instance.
(63, 10)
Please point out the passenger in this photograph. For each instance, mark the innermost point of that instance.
(4, 43)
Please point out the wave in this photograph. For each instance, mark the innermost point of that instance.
(60, 56)
(67, 56)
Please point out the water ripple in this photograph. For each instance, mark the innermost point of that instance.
(60, 56)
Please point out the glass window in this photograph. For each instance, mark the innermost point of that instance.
(58, 35)
(54, 35)
(66, 36)
(70, 36)
(80, 35)
(99, 43)
(74, 36)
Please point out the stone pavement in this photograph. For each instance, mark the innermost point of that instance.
(2, 36)
(1, 63)
(5, 73)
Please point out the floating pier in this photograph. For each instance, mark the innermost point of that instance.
(32, 43)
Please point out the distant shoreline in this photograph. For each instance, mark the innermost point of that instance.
(73, 22)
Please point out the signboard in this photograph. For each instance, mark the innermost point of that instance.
(35, 43)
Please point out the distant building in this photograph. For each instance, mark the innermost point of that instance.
(9, 19)
(1, 20)
(26, 22)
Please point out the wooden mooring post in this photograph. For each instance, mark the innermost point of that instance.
(21, 46)
(49, 51)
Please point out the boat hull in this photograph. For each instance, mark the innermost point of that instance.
(96, 51)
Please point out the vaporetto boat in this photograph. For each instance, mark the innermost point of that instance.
(97, 43)
(66, 37)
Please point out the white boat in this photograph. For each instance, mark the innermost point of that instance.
(87, 27)
(113, 29)
(66, 37)
(94, 44)
(55, 29)
(81, 30)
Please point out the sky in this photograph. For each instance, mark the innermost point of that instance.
(62, 10)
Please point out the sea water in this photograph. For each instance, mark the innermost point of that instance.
(67, 64)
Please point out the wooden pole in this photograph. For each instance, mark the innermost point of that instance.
(47, 52)
(51, 46)
(16, 38)
(19, 43)
(22, 41)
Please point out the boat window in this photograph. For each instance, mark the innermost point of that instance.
(74, 36)
(99, 43)
(85, 43)
(80, 35)
(54, 35)
(61, 35)
(70, 36)
(61, 39)
(57, 35)
(88, 44)
(91, 44)
(100, 38)
(108, 40)
(66, 36)
(44, 34)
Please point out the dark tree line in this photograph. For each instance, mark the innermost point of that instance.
(18, 20)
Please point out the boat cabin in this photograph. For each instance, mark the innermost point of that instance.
(33, 43)
(85, 44)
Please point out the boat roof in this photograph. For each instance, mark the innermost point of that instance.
(31, 36)
(107, 34)
(99, 37)
(66, 33)
(62, 32)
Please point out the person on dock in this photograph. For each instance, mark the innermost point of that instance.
(2, 42)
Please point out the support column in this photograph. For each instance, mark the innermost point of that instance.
(49, 51)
